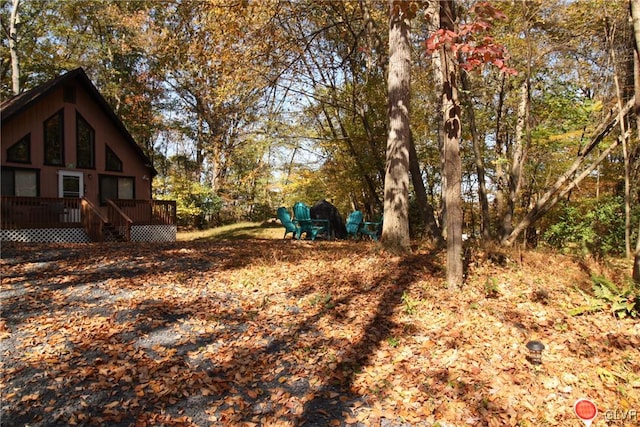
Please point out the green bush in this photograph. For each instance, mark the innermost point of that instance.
(196, 204)
(595, 226)
(260, 212)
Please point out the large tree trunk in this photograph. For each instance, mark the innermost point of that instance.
(452, 170)
(14, 23)
(635, 17)
(395, 231)
(636, 260)
(485, 227)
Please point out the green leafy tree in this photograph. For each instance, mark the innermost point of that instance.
(594, 226)
(197, 205)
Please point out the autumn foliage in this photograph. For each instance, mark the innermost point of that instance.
(272, 332)
(472, 42)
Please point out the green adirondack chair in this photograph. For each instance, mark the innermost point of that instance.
(311, 227)
(354, 224)
(289, 226)
(371, 229)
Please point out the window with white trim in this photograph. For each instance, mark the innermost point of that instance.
(20, 182)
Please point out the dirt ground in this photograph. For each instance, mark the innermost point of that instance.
(295, 333)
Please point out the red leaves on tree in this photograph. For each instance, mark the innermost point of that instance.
(471, 43)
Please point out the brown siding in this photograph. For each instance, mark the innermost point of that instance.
(31, 121)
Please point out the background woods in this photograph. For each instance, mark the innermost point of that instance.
(465, 125)
(245, 106)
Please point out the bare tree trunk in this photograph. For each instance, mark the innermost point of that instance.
(485, 227)
(500, 143)
(14, 24)
(518, 158)
(452, 171)
(374, 40)
(635, 17)
(215, 170)
(433, 10)
(625, 154)
(395, 231)
(199, 149)
(426, 210)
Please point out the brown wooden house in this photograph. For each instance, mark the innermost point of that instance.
(71, 172)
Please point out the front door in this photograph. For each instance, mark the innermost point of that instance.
(71, 184)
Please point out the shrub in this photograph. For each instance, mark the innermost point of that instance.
(196, 204)
(595, 226)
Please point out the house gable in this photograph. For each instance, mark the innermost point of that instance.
(13, 107)
(69, 126)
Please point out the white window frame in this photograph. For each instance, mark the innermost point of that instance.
(62, 174)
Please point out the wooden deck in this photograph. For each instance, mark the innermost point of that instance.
(116, 218)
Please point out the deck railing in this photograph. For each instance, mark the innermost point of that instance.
(49, 212)
(119, 220)
(40, 212)
(93, 221)
(149, 212)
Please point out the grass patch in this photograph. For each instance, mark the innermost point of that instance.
(238, 231)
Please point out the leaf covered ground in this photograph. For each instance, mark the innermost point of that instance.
(273, 332)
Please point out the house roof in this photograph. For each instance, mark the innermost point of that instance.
(15, 105)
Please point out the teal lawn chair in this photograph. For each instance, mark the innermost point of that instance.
(354, 224)
(372, 229)
(289, 226)
(311, 227)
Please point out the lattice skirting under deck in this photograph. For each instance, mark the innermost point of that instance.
(45, 235)
(153, 233)
(139, 233)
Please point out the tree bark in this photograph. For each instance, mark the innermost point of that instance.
(635, 18)
(452, 169)
(14, 24)
(426, 210)
(626, 158)
(636, 260)
(395, 231)
(433, 10)
(517, 159)
(500, 178)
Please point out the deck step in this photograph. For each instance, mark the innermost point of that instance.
(111, 234)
